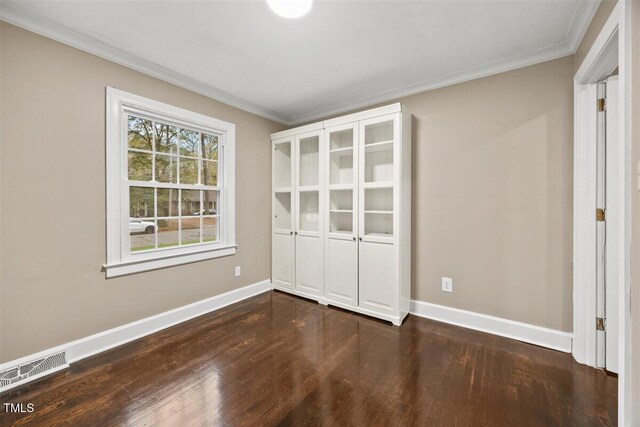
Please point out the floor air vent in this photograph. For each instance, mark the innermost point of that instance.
(33, 369)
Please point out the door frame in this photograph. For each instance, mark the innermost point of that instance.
(611, 46)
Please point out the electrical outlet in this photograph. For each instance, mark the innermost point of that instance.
(447, 284)
(238, 271)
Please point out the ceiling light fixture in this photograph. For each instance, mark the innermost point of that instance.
(290, 8)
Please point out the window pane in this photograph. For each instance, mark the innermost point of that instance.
(142, 234)
(209, 147)
(141, 202)
(139, 134)
(190, 230)
(209, 229)
(166, 138)
(190, 202)
(167, 233)
(167, 202)
(140, 166)
(166, 168)
(189, 142)
(188, 171)
(209, 173)
(210, 203)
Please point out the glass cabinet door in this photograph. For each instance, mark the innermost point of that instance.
(379, 137)
(309, 184)
(309, 277)
(378, 152)
(282, 166)
(341, 193)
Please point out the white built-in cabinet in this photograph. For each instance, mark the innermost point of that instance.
(342, 212)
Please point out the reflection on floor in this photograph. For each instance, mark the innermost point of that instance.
(278, 359)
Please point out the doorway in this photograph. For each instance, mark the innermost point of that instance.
(602, 189)
(607, 225)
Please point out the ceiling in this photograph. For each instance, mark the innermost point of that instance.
(342, 55)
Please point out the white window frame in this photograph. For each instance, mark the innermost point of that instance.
(120, 260)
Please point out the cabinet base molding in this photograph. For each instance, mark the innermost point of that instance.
(396, 320)
(532, 334)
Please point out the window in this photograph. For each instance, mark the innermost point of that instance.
(170, 185)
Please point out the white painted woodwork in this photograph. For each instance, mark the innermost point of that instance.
(613, 194)
(600, 225)
(282, 241)
(121, 260)
(282, 261)
(341, 251)
(377, 276)
(351, 204)
(309, 255)
(342, 56)
(342, 271)
(309, 265)
(610, 50)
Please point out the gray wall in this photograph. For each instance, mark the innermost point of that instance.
(493, 194)
(492, 197)
(52, 187)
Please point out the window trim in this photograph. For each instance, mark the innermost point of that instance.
(120, 261)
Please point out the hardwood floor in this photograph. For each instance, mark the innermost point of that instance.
(277, 359)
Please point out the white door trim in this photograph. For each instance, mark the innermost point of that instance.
(613, 244)
(611, 46)
(584, 225)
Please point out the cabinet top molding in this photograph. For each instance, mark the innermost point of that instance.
(367, 114)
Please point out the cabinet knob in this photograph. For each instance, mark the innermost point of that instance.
(360, 239)
(354, 238)
(291, 232)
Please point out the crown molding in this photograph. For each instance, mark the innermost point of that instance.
(585, 10)
(484, 70)
(20, 16)
(580, 22)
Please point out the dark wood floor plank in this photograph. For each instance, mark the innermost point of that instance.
(280, 360)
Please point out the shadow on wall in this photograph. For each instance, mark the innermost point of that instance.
(492, 194)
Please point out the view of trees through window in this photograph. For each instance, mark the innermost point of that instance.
(173, 185)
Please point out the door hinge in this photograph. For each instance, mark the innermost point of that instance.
(600, 326)
(600, 214)
(602, 104)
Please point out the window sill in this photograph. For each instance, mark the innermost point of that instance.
(132, 267)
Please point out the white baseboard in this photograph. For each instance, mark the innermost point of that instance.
(103, 341)
(550, 338)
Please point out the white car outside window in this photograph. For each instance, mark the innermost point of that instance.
(139, 226)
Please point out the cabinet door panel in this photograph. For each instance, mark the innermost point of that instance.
(377, 284)
(309, 265)
(282, 260)
(342, 271)
(377, 177)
